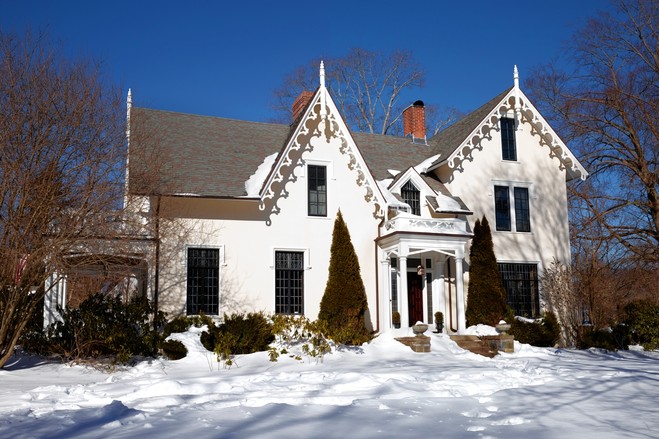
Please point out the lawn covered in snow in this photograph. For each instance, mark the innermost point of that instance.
(381, 390)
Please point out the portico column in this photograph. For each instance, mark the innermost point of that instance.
(438, 293)
(460, 293)
(402, 293)
(385, 306)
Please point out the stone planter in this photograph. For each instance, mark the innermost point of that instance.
(419, 328)
(503, 328)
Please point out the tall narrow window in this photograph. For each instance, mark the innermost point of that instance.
(411, 195)
(502, 208)
(317, 190)
(289, 282)
(522, 216)
(508, 147)
(521, 284)
(203, 287)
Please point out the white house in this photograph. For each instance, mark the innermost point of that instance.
(257, 204)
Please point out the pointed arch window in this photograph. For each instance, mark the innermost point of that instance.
(412, 196)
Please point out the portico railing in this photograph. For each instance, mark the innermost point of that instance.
(412, 223)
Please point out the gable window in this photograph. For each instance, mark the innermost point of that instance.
(508, 147)
(289, 282)
(518, 213)
(203, 286)
(521, 284)
(317, 190)
(411, 195)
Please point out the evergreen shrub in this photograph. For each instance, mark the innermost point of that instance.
(544, 332)
(104, 327)
(609, 339)
(642, 319)
(239, 334)
(486, 297)
(344, 304)
(174, 349)
(295, 335)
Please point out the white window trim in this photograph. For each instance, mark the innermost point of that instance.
(511, 199)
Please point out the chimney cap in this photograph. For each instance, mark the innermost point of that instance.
(418, 103)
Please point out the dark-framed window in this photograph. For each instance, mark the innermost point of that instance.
(203, 286)
(289, 282)
(522, 212)
(521, 284)
(317, 190)
(504, 210)
(412, 196)
(508, 146)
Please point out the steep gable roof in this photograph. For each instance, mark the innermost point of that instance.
(450, 138)
(183, 154)
(198, 155)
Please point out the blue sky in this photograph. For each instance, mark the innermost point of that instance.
(225, 58)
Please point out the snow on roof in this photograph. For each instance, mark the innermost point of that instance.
(389, 197)
(255, 182)
(447, 204)
(422, 167)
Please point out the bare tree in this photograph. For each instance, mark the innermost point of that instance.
(608, 109)
(62, 135)
(366, 86)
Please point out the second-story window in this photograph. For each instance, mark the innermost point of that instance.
(508, 147)
(507, 213)
(411, 195)
(317, 190)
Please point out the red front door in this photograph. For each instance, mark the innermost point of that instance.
(415, 297)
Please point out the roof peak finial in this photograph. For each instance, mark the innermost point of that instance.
(323, 110)
(516, 76)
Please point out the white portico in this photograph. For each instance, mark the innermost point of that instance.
(421, 261)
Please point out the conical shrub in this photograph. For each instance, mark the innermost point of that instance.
(344, 303)
(486, 297)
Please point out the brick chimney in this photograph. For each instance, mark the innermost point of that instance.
(414, 121)
(300, 102)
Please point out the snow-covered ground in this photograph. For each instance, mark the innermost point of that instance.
(381, 390)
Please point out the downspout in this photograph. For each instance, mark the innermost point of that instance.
(377, 282)
(156, 276)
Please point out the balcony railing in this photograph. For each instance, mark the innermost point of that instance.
(412, 223)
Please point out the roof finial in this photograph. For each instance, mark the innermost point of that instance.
(322, 74)
(323, 91)
(516, 77)
(518, 109)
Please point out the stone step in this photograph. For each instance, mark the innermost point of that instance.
(473, 343)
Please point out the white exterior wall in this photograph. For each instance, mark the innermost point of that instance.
(534, 168)
(239, 227)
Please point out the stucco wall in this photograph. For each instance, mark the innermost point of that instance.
(549, 236)
(249, 243)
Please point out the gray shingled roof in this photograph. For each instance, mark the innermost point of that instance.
(449, 139)
(206, 156)
(214, 157)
